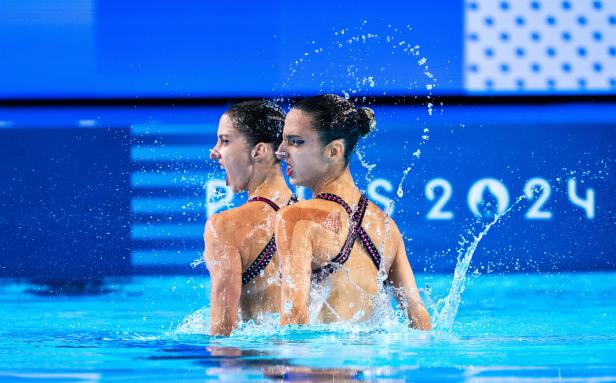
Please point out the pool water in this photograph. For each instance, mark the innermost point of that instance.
(515, 328)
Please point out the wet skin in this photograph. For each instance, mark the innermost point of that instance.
(235, 237)
(309, 234)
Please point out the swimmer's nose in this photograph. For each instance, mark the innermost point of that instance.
(280, 153)
(215, 154)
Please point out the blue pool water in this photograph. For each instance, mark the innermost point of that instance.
(515, 327)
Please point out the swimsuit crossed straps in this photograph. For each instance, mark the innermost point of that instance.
(355, 231)
(265, 256)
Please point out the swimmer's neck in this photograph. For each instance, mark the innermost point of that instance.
(342, 185)
(270, 184)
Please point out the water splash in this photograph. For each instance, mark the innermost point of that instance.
(365, 164)
(446, 309)
(400, 191)
(198, 261)
(355, 76)
(197, 323)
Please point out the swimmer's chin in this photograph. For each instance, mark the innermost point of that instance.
(232, 184)
(238, 189)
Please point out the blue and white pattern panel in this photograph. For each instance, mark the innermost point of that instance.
(540, 46)
(169, 172)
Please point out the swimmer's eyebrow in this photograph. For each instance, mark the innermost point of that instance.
(292, 136)
(222, 135)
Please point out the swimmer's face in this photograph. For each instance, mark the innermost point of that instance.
(305, 154)
(232, 152)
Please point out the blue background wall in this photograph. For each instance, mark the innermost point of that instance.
(102, 175)
(85, 48)
(137, 185)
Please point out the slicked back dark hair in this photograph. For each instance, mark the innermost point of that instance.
(258, 121)
(337, 118)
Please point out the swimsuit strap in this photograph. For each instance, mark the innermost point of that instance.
(266, 255)
(375, 256)
(355, 230)
(266, 200)
(336, 199)
(261, 262)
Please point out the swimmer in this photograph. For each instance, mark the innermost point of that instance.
(338, 239)
(240, 251)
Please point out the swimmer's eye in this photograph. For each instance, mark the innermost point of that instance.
(222, 139)
(295, 141)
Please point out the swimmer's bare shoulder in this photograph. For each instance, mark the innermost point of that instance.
(229, 225)
(308, 233)
(218, 242)
(313, 214)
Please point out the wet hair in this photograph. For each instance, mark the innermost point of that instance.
(258, 121)
(336, 118)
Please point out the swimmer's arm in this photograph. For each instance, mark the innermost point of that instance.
(225, 265)
(401, 276)
(295, 252)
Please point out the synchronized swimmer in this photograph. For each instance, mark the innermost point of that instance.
(338, 239)
(239, 244)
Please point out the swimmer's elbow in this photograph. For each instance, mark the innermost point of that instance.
(293, 305)
(221, 322)
(223, 311)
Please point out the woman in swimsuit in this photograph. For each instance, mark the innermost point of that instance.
(338, 240)
(239, 243)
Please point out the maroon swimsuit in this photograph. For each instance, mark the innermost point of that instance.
(355, 231)
(264, 258)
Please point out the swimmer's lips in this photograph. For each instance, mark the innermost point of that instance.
(289, 170)
(226, 174)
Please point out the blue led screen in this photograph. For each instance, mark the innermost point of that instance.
(85, 48)
(111, 49)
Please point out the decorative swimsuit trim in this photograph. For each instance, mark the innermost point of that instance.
(355, 231)
(265, 256)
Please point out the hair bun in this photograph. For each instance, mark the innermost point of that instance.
(367, 121)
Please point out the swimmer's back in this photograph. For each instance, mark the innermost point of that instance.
(325, 225)
(248, 229)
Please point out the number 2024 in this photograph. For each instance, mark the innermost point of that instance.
(535, 186)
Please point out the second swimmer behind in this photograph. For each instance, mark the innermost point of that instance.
(240, 250)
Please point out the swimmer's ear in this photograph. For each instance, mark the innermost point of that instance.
(335, 149)
(260, 151)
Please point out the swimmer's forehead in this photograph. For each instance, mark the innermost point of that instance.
(225, 127)
(297, 124)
